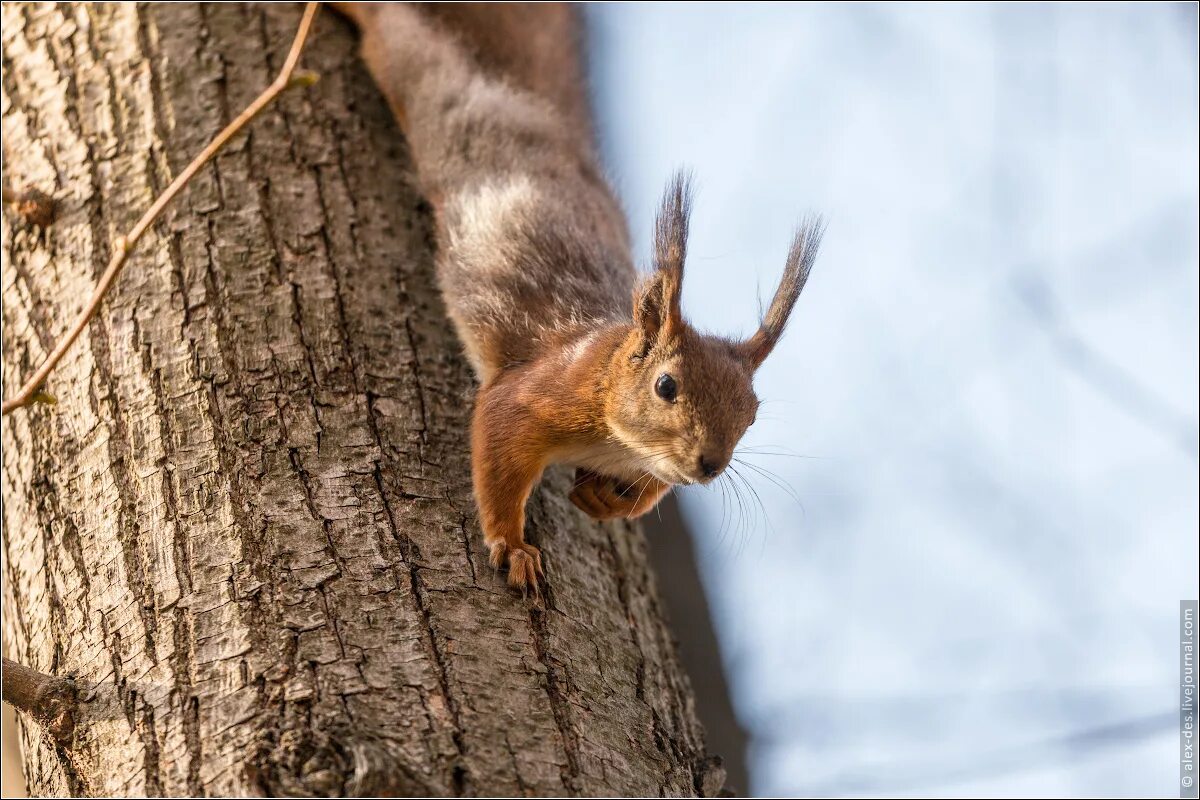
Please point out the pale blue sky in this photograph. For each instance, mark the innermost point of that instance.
(992, 375)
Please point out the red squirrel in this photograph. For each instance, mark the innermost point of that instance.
(578, 361)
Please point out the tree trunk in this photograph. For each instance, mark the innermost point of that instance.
(246, 528)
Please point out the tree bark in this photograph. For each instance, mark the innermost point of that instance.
(246, 529)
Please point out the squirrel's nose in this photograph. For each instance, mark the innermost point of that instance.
(710, 468)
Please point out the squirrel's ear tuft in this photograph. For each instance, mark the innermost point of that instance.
(656, 302)
(670, 245)
(799, 263)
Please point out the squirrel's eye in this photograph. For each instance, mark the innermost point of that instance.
(665, 387)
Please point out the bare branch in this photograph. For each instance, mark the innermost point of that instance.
(124, 244)
(49, 700)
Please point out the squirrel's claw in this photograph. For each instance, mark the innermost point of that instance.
(524, 566)
(602, 497)
(588, 500)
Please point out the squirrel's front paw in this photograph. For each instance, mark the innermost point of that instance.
(524, 565)
(602, 497)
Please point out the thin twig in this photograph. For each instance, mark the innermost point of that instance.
(124, 244)
(48, 699)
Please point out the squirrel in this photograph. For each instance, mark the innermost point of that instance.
(579, 362)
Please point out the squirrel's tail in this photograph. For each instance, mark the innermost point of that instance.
(478, 89)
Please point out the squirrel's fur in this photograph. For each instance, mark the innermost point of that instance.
(571, 351)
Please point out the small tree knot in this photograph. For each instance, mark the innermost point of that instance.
(32, 205)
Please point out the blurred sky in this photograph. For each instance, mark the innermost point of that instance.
(988, 395)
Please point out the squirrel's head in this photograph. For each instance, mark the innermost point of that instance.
(680, 398)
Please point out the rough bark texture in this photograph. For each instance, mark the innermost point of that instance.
(246, 529)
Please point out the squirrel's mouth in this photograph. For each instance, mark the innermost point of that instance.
(677, 476)
(666, 472)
